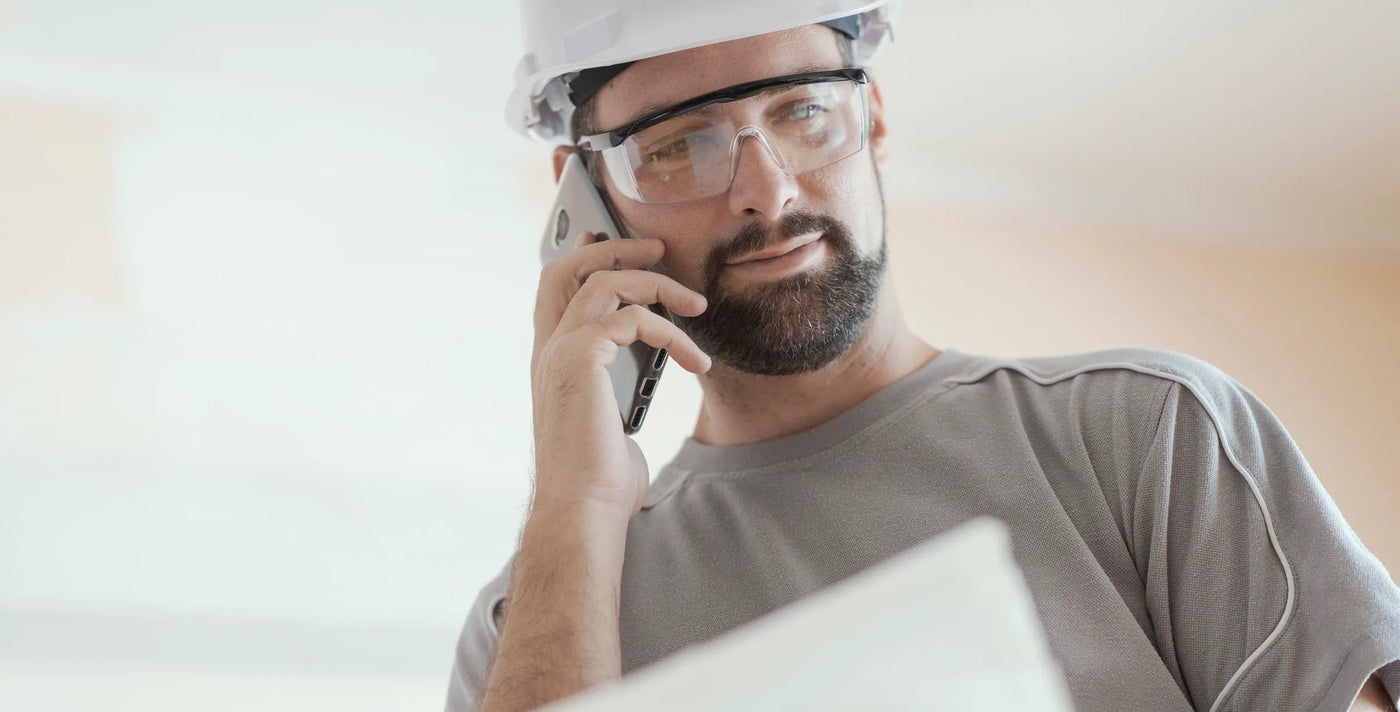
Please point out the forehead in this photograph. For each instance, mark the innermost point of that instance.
(656, 82)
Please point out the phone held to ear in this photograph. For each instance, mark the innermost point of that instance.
(580, 208)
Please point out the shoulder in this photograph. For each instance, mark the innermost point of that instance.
(1116, 376)
(1157, 364)
(1112, 394)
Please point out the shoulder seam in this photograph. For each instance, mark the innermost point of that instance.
(1232, 683)
(1051, 380)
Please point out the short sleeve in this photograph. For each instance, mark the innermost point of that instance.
(1261, 597)
(476, 646)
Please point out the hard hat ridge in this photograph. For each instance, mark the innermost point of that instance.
(585, 83)
(574, 47)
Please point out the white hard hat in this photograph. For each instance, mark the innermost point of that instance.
(566, 37)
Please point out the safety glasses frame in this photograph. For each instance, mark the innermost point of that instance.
(614, 138)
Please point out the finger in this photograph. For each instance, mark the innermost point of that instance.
(604, 292)
(586, 238)
(623, 327)
(597, 255)
(561, 279)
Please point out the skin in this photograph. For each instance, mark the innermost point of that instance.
(559, 635)
(1372, 698)
(740, 407)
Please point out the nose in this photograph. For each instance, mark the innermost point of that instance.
(760, 185)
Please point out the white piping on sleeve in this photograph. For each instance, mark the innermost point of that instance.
(1229, 454)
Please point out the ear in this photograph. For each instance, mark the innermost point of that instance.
(878, 133)
(561, 154)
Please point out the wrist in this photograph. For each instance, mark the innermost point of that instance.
(586, 529)
(600, 516)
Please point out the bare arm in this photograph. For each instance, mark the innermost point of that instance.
(1372, 698)
(560, 633)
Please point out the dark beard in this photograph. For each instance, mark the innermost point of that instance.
(799, 323)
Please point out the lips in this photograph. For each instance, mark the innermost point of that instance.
(777, 250)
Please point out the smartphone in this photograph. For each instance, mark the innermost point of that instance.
(580, 207)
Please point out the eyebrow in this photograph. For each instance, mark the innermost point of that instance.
(657, 107)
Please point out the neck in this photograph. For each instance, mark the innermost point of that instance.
(741, 408)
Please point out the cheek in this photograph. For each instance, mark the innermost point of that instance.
(852, 195)
(687, 242)
(842, 187)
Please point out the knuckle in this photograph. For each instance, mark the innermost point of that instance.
(597, 280)
(604, 327)
(636, 311)
(559, 275)
(625, 319)
(581, 350)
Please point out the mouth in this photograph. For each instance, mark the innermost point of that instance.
(777, 250)
(786, 259)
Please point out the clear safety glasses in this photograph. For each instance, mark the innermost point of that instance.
(691, 150)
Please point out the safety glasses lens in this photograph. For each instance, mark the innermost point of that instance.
(692, 156)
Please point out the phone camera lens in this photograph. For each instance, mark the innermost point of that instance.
(561, 228)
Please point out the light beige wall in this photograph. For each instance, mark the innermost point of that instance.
(1314, 333)
(56, 217)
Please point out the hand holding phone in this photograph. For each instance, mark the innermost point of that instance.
(580, 209)
(591, 309)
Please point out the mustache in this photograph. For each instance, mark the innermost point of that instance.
(756, 236)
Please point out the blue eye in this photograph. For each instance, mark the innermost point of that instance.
(802, 112)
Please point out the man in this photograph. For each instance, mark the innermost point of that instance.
(1180, 551)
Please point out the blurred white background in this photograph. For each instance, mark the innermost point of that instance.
(267, 269)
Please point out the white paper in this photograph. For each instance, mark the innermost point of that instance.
(947, 625)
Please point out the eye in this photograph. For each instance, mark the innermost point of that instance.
(672, 151)
(802, 112)
(696, 144)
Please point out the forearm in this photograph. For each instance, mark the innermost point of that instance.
(560, 633)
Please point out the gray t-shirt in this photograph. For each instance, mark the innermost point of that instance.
(1180, 551)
